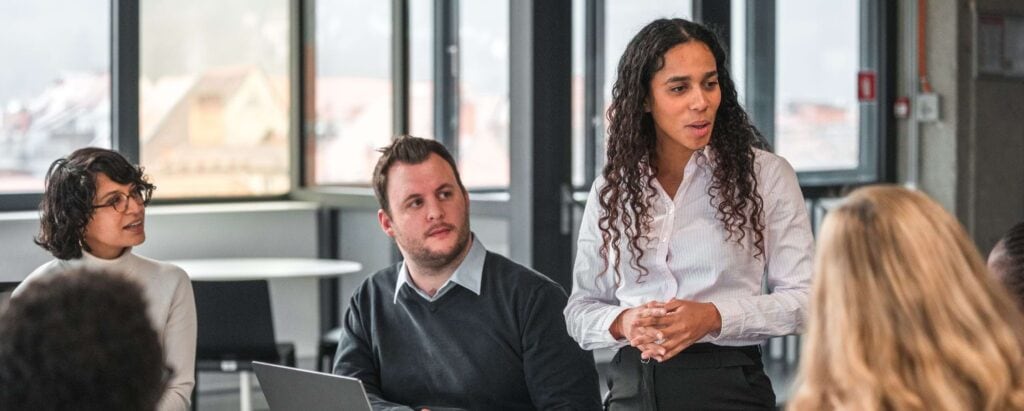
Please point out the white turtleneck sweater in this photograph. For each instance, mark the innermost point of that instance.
(172, 310)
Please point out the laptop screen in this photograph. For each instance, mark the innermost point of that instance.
(288, 389)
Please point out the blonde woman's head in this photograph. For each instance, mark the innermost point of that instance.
(904, 315)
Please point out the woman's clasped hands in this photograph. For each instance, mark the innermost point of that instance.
(660, 330)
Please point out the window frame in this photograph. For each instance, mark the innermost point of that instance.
(124, 25)
(877, 149)
(484, 201)
(124, 98)
(877, 162)
(876, 123)
(594, 75)
(304, 187)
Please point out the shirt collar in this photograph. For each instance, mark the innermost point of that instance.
(468, 274)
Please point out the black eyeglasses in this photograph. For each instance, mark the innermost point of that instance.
(119, 201)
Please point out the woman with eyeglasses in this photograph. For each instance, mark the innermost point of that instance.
(92, 213)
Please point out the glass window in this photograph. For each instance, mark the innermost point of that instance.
(737, 62)
(353, 90)
(625, 18)
(816, 107)
(483, 93)
(622, 20)
(54, 85)
(214, 97)
(421, 68)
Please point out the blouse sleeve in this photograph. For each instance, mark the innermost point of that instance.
(789, 246)
(593, 305)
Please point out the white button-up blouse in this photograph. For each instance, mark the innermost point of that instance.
(688, 257)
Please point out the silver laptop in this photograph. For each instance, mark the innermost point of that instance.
(289, 389)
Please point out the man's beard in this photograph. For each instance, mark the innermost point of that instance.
(434, 260)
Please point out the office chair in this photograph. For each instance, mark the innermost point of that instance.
(328, 347)
(235, 328)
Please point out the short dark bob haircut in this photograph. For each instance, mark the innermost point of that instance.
(409, 150)
(67, 204)
(80, 339)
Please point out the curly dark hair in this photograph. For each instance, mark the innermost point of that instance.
(80, 340)
(1009, 261)
(631, 165)
(67, 204)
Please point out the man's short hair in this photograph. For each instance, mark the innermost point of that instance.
(408, 150)
(80, 340)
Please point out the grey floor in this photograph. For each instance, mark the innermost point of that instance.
(220, 392)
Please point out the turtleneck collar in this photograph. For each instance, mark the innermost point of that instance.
(121, 259)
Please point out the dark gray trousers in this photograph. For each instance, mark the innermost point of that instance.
(702, 377)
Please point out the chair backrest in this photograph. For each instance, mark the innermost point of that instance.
(235, 322)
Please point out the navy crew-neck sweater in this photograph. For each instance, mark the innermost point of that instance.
(506, 348)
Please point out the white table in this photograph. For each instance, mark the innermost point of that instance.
(242, 269)
(245, 269)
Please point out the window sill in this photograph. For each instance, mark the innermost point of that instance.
(489, 204)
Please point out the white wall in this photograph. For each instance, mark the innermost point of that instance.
(18, 254)
(970, 158)
(247, 230)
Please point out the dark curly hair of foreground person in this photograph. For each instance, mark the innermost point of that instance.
(80, 340)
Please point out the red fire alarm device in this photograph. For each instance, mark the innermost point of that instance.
(866, 86)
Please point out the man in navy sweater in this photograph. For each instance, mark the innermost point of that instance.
(454, 325)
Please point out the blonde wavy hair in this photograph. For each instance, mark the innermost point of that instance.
(904, 315)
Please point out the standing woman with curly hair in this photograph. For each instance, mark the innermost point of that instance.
(695, 245)
(92, 214)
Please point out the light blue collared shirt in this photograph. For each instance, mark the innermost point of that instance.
(468, 274)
